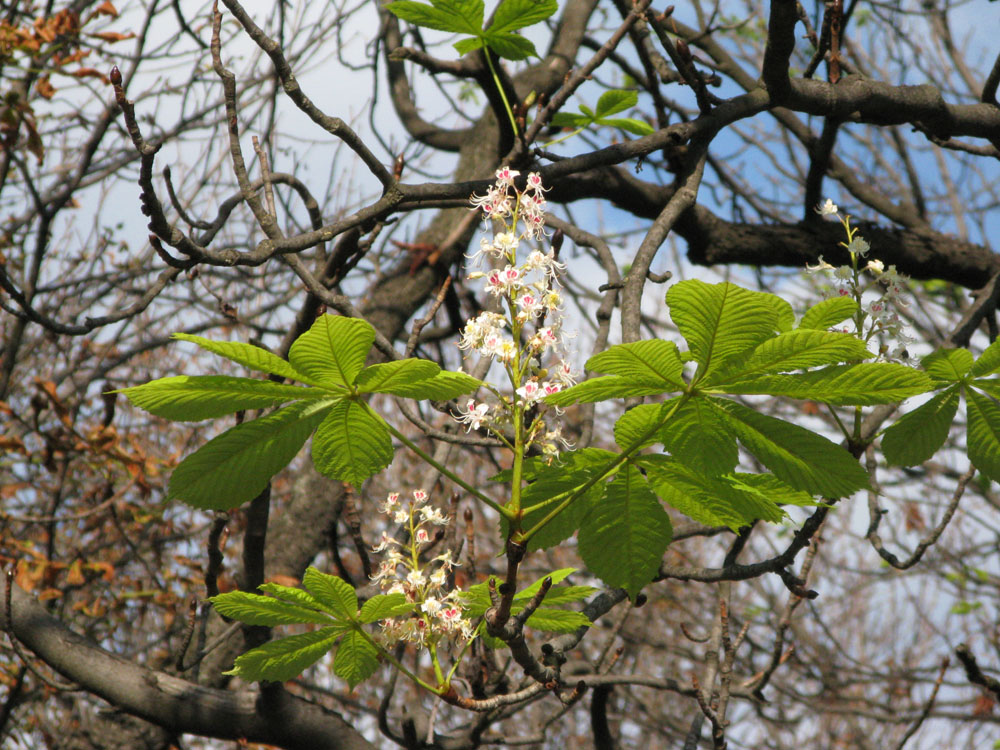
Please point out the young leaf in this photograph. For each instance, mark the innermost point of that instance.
(798, 349)
(948, 364)
(384, 606)
(509, 46)
(512, 15)
(236, 466)
(828, 313)
(800, 458)
(557, 620)
(917, 435)
(443, 386)
(476, 599)
(248, 355)
(615, 101)
(988, 362)
(352, 443)
(720, 320)
(628, 124)
(335, 594)
(333, 351)
(285, 658)
(457, 16)
(254, 609)
(389, 376)
(983, 439)
(356, 659)
(623, 539)
(861, 384)
(187, 398)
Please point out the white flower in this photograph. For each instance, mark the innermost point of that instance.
(530, 391)
(877, 267)
(506, 175)
(390, 504)
(430, 514)
(829, 208)
(822, 265)
(859, 247)
(473, 415)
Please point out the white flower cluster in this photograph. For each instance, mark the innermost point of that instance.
(437, 614)
(531, 328)
(881, 312)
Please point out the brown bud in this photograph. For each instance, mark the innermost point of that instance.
(116, 76)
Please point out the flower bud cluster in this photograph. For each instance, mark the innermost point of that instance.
(878, 316)
(527, 290)
(437, 614)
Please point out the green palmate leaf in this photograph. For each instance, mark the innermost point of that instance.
(557, 620)
(650, 361)
(254, 609)
(948, 364)
(384, 606)
(352, 443)
(389, 376)
(828, 313)
(187, 398)
(286, 658)
(781, 308)
(476, 599)
(988, 362)
(861, 384)
(333, 351)
(458, 16)
(628, 124)
(335, 594)
(990, 386)
(916, 436)
(549, 487)
(290, 594)
(800, 458)
(613, 102)
(236, 466)
(563, 594)
(711, 500)
(794, 350)
(773, 489)
(607, 388)
(570, 120)
(248, 355)
(356, 660)
(443, 386)
(624, 537)
(721, 320)
(512, 15)
(983, 439)
(557, 576)
(640, 425)
(699, 437)
(509, 46)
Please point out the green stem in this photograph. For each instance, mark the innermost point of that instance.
(447, 472)
(503, 95)
(398, 664)
(625, 455)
